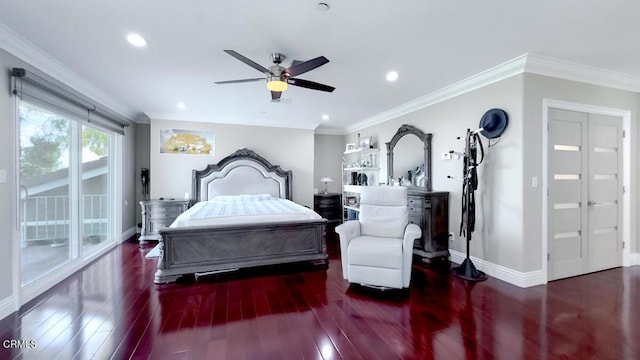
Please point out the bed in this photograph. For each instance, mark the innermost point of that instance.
(199, 246)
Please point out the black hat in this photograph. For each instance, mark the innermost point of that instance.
(494, 122)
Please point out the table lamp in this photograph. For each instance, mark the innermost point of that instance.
(326, 180)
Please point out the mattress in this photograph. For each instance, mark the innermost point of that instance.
(243, 209)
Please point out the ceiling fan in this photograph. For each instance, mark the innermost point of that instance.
(278, 77)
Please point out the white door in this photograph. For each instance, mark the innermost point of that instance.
(585, 193)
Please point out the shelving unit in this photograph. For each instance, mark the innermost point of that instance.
(364, 163)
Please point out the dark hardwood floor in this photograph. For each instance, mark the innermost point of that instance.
(112, 309)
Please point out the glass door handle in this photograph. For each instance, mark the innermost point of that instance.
(594, 203)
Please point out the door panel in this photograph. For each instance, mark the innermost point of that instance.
(605, 192)
(567, 191)
(568, 247)
(45, 209)
(604, 216)
(567, 164)
(567, 220)
(568, 128)
(585, 195)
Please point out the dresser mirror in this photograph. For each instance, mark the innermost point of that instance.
(409, 158)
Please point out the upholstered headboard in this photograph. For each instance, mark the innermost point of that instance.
(243, 172)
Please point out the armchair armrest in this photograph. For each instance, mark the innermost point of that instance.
(411, 232)
(346, 232)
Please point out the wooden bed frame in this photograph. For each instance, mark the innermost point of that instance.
(219, 248)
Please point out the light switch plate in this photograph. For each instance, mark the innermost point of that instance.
(3, 176)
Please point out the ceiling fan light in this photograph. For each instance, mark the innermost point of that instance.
(277, 85)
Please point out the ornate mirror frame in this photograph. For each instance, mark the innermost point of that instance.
(426, 140)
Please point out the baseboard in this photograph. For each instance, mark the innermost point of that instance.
(7, 307)
(128, 234)
(518, 278)
(634, 259)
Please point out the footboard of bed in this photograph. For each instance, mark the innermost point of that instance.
(192, 250)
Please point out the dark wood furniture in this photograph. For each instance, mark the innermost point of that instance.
(329, 206)
(430, 211)
(427, 209)
(157, 214)
(220, 248)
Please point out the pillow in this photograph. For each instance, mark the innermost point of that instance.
(241, 198)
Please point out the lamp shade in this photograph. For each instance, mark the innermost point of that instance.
(275, 84)
(326, 179)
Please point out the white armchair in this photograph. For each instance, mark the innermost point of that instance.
(377, 249)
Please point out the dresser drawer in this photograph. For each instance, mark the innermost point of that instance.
(415, 219)
(165, 211)
(157, 224)
(326, 202)
(329, 206)
(415, 203)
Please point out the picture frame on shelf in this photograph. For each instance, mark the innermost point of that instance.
(364, 142)
(350, 147)
(352, 201)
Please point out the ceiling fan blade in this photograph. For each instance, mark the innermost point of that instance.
(275, 95)
(305, 66)
(249, 62)
(238, 81)
(310, 85)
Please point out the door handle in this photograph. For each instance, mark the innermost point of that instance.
(594, 203)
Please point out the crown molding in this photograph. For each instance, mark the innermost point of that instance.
(497, 73)
(541, 65)
(327, 130)
(19, 47)
(526, 63)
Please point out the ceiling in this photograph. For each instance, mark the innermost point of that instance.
(431, 44)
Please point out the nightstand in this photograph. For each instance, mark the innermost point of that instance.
(329, 206)
(157, 214)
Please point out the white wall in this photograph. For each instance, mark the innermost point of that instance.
(292, 149)
(328, 161)
(499, 226)
(141, 161)
(128, 201)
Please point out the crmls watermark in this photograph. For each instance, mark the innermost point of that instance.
(19, 344)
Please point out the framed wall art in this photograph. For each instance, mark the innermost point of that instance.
(191, 142)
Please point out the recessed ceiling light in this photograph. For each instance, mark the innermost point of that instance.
(325, 117)
(181, 106)
(136, 40)
(392, 76)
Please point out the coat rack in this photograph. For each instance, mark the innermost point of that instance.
(492, 125)
(473, 143)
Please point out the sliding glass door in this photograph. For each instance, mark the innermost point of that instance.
(45, 216)
(95, 188)
(65, 187)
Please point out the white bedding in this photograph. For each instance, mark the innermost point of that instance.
(243, 209)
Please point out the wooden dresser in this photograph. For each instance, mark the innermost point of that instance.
(157, 214)
(329, 206)
(430, 211)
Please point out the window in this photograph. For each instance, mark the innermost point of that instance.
(65, 183)
(66, 170)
